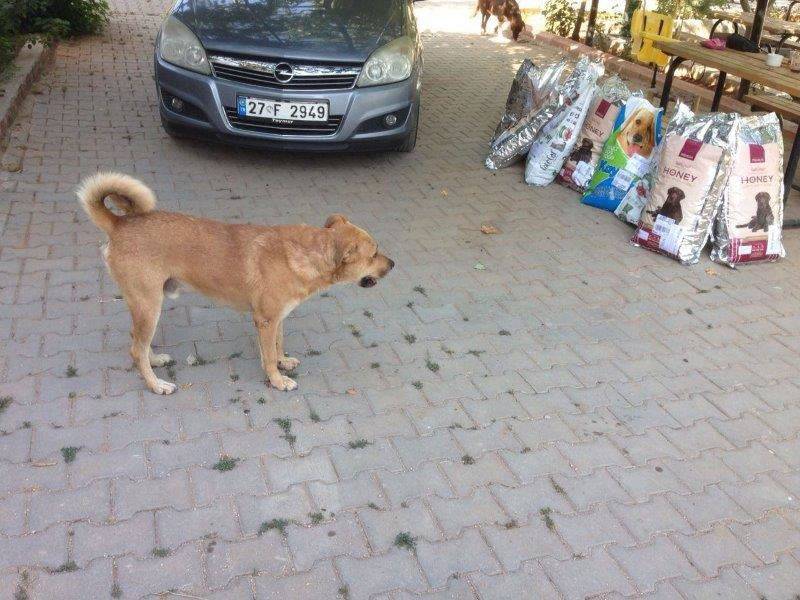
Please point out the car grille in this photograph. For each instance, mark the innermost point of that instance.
(288, 128)
(303, 76)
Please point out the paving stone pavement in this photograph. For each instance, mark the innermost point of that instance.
(580, 419)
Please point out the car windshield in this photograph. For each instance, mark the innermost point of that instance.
(351, 22)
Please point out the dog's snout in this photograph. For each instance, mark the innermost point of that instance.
(391, 264)
(637, 137)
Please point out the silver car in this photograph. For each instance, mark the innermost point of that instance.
(292, 74)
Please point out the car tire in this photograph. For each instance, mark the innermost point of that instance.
(408, 144)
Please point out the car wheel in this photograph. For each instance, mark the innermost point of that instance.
(408, 144)
(170, 129)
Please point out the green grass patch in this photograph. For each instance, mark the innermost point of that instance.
(226, 463)
(69, 453)
(405, 540)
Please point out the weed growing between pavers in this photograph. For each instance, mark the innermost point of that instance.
(71, 371)
(433, 367)
(410, 338)
(291, 374)
(417, 384)
(313, 353)
(548, 520)
(525, 450)
(316, 518)
(261, 400)
(420, 290)
(286, 426)
(324, 295)
(373, 506)
(410, 305)
(234, 377)
(170, 364)
(447, 350)
(226, 463)
(375, 365)
(368, 314)
(512, 524)
(314, 416)
(344, 592)
(235, 355)
(405, 540)
(476, 353)
(67, 567)
(556, 487)
(26, 424)
(467, 460)
(234, 400)
(69, 453)
(362, 443)
(504, 332)
(160, 552)
(21, 594)
(72, 395)
(116, 591)
(279, 524)
(5, 401)
(355, 331)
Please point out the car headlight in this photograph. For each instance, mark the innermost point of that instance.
(179, 46)
(388, 64)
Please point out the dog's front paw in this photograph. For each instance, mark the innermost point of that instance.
(159, 360)
(288, 363)
(283, 383)
(163, 387)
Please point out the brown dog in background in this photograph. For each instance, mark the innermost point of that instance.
(502, 9)
(267, 270)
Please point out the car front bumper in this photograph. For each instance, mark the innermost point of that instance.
(360, 109)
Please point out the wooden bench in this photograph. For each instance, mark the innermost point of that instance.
(785, 109)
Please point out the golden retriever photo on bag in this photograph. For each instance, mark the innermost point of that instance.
(266, 270)
(637, 135)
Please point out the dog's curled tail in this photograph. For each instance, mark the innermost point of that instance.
(128, 194)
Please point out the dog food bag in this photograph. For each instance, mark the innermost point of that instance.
(514, 142)
(748, 226)
(531, 87)
(579, 167)
(626, 154)
(688, 180)
(551, 148)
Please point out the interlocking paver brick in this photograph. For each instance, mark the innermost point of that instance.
(768, 536)
(714, 549)
(594, 574)
(95, 578)
(518, 584)
(12, 514)
(46, 548)
(653, 562)
(417, 450)
(646, 519)
(583, 531)
(726, 585)
(641, 448)
(321, 582)
(175, 527)
(481, 471)
(527, 466)
(341, 536)
(132, 496)
(379, 454)
(777, 580)
(265, 553)
(88, 466)
(750, 461)
(284, 472)
(91, 502)
(587, 456)
(428, 479)
(455, 514)
(203, 450)
(441, 560)
(395, 570)
(382, 526)
(134, 536)
(180, 571)
(343, 495)
(515, 545)
(763, 494)
(703, 509)
(210, 484)
(590, 489)
(292, 505)
(652, 478)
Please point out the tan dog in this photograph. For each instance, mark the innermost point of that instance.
(267, 270)
(637, 136)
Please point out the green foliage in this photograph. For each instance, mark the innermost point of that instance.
(689, 9)
(27, 21)
(559, 17)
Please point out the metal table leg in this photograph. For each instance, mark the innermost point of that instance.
(718, 91)
(674, 63)
(791, 166)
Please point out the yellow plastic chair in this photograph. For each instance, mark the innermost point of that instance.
(648, 27)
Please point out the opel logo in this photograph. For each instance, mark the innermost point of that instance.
(284, 72)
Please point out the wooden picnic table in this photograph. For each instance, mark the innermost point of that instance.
(785, 29)
(747, 65)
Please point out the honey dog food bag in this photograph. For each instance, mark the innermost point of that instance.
(626, 154)
(551, 148)
(579, 167)
(688, 179)
(748, 226)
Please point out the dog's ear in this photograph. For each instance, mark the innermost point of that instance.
(334, 220)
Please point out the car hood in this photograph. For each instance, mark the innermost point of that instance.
(327, 30)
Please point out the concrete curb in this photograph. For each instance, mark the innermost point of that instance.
(25, 70)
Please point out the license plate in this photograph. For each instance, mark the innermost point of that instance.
(263, 108)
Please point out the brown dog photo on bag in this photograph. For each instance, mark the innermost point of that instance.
(265, 270)
(582, 153)
(763, 217)
(671, 208)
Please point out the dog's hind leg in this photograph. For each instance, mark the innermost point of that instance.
(145, 307)
(267, 328)
(285, 363)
